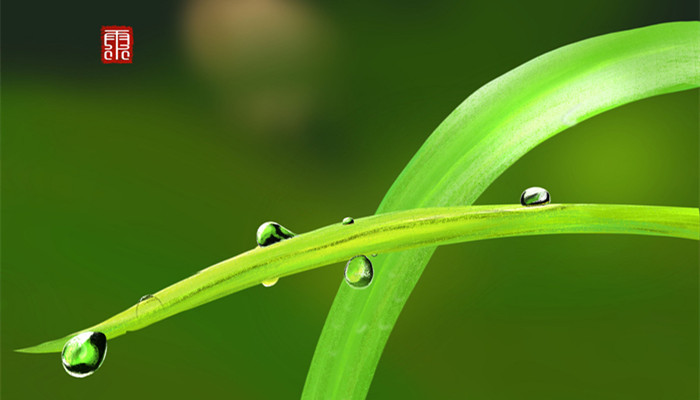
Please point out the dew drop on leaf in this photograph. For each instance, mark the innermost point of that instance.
(535, 196)
(270, 282)
(83, 354)
(271, 233)
(147, 303)
(348, 221)
(359, 272)
(145, 297)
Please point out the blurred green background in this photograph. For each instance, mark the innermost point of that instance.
(119, 180)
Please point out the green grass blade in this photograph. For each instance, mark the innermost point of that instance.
(387, 233)
(486, 134)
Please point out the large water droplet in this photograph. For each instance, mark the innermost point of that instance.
(359, 272)
(535, 196)
(348, 221)
(270, 282)
(83, 354)
(272, 232)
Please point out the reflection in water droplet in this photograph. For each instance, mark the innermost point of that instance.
(359, 272)
(83, 354)
(535, 196)
(272, 232)
(348, 220)
(270, 282)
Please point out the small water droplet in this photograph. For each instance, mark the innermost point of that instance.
(535, 196)
(359, 272)
(147, 304)
(272, 232)
(270, 282)
(145, 297)
(83, 354)
(348, 221)
(374, 255)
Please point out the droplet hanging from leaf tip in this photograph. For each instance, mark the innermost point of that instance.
(83, 354)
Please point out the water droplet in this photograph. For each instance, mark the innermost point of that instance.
(272, 232)
(83, 354)
(270, 282)
(145, 297)
(359, 272)
(535, 196)
(147, 304)
(374, 255)
(348, 221)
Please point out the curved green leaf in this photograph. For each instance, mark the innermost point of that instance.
(486, 134)
(387, 233)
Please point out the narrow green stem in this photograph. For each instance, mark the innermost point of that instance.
(387, 233)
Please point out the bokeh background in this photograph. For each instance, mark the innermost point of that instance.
(119, 180)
